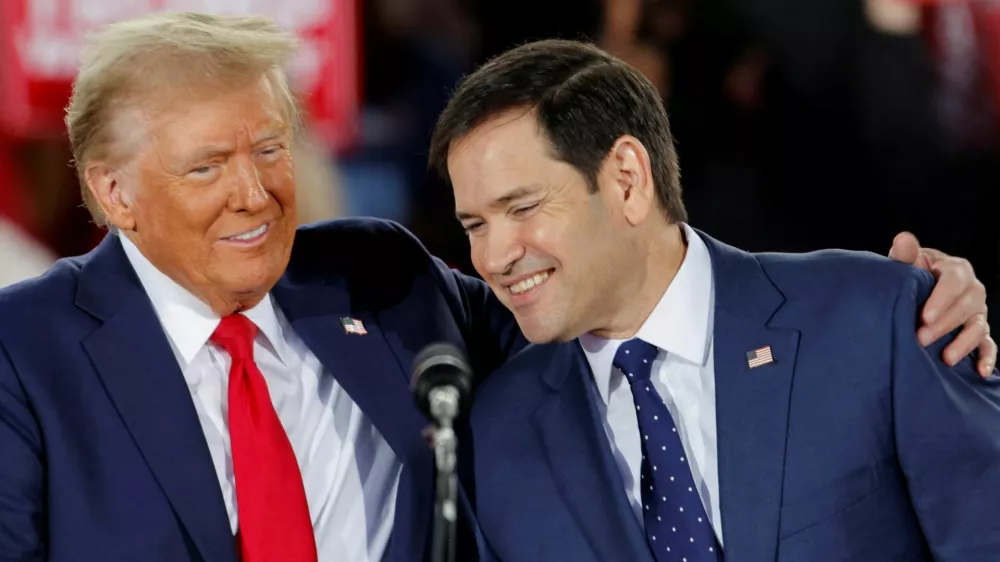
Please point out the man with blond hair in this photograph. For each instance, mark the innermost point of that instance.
(198, 389)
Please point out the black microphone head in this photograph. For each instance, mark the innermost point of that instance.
(439, 365)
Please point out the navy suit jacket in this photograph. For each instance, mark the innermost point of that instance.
(102, 457)
(856, 444)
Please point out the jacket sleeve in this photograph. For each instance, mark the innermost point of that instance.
(22, 517)
(490, 331)
(947, 429)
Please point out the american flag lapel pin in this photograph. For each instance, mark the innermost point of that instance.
(759, 357)
(353, 326)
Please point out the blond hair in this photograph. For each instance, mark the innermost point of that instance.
(126, 60)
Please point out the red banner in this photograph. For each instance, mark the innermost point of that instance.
(40, 44)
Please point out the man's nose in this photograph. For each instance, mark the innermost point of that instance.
(249, 193)
(501, 250)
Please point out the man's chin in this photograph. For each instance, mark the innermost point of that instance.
(540, 332)
(248, 284)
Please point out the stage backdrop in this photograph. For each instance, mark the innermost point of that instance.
(40, 44)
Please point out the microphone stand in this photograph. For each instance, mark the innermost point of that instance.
(444, 407)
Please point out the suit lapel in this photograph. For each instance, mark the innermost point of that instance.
(751, 404)
(363, 365)
(132, 355)
(584, 470)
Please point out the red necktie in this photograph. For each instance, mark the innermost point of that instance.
(272, 508)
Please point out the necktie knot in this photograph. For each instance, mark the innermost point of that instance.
(235, 334)
(635, 359)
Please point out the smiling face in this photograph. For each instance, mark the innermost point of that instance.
(208, 195)
(553, 252)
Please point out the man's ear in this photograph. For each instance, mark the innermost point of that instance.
(105, 186)
(628, 166)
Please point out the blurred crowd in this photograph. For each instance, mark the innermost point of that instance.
(800, 125)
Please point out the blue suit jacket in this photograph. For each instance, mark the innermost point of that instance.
(856, 444)
(102, 457)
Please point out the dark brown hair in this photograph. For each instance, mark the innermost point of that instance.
(584, 100)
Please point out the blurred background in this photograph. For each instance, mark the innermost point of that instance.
(800, 124)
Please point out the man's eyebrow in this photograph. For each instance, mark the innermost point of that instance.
(268, 136)
(503, 200)
(206, 153)
(214, 151)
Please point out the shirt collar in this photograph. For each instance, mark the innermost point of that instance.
(189, 322)
(680, 323)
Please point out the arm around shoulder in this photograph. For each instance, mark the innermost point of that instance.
(947, 428)
(22, 514)
(491, 333)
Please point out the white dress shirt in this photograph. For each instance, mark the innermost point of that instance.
(683, 374)
(350, 473)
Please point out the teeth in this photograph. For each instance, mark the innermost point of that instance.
(252, 234)
(528, 283)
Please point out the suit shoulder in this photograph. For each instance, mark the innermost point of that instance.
(356, 245)
(855, 292)
(34, 299)
(354, 233)
(842, 272)
(378, 262)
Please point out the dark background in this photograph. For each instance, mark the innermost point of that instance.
(800, 125)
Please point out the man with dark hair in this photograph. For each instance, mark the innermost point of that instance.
(571, 96)
(212, 383)
(752, 407)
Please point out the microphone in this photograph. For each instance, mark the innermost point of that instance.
(442, 388)
(442, 382)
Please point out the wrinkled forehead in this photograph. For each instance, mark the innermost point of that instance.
(179, 119)
(505, 153)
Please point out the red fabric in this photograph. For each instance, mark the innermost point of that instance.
(271, 500)
(987, 17)
(12, 205)
(985, 30)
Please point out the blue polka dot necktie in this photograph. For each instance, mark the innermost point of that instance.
(677, 528)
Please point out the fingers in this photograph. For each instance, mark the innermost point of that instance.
(905, 248)
(957, 296)
(987, 356)
(958, 300)
(958, 315)
(971, 337)
(932, 256)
